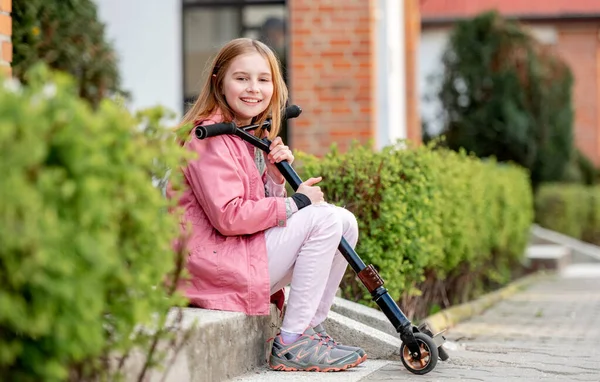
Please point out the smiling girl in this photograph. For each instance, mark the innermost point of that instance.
(248, 238)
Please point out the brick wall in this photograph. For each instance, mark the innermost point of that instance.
(332, 72)
(5, 33)
(579, 45)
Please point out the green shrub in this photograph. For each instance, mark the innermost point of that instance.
(85, 245)
(571, 209)
(65, 35)
(439, 225)
(507, 96)
(580, 170)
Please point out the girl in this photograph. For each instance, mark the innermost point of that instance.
(248, 239)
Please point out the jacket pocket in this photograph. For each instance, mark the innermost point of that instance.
(212, 267)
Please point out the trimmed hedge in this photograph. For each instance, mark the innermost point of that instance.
(571, 209)
(440, 226)
(85, 244)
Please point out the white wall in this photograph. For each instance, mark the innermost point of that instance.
(391, 68)
(431, 48)
(147, 37)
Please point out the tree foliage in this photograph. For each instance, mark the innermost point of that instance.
(507, 96)
(65, 35)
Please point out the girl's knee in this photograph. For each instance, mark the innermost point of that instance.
(326, 216)
(349, 222)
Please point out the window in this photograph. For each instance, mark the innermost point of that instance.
(208, 24)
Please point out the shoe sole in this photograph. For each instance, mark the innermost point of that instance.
(282, 367)
(362, 359)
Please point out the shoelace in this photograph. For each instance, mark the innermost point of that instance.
(313, 337)
(327, 338)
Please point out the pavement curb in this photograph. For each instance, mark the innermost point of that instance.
(447, 318)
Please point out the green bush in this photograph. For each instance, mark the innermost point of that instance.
(507, 96)
(580, 170)
(440, 226)
(85, 245)
(65, 35)
(571, 209)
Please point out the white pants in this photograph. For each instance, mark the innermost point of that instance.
(305, 254)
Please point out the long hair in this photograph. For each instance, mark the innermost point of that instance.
(211, 98)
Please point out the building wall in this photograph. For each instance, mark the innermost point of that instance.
(431, 48)
(412, 25)
(579, 46)
(5, 33)
(146, 35)
(331, 72)
(350, 72)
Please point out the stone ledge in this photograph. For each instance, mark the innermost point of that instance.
(377, 344)
(361, 313)
(219, 346)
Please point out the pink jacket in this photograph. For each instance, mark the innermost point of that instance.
(225, 206)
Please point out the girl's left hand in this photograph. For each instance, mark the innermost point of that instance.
(279, 152)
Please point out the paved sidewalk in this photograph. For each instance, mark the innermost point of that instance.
(551, 331)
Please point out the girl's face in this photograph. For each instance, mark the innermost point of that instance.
(248, 86)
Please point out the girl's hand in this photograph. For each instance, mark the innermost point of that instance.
(279, 152)
(313, 192)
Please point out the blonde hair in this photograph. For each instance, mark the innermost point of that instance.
(211, 98)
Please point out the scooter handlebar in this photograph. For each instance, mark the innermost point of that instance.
(203, 132)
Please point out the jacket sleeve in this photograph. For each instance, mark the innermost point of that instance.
(272, 188)
(219, 188)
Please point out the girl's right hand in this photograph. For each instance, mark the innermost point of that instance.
(313, 192)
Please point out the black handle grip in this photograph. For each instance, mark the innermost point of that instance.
(292, 111)
(214, 130)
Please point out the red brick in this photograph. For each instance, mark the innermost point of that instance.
(6, 5)
(5, 25)
(340, 42)
(326, 8)
(341, 64)
(7, 51)
(578, 46)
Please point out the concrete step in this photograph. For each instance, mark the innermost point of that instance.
(380, 346)
(548, 257)
(377, 344)
(363, 314)
(581, 251)
(219, 346)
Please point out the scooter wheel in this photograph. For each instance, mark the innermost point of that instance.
(429, 355)
(443, 354)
